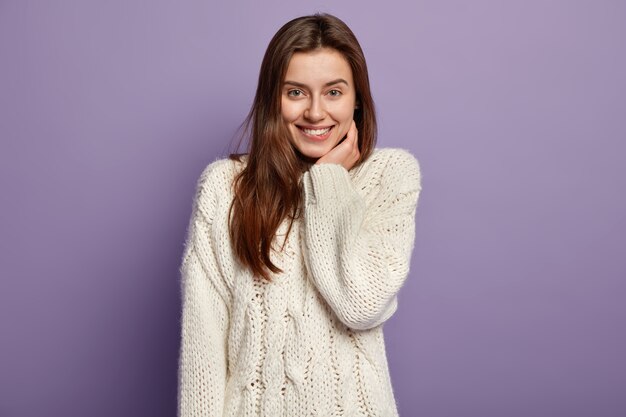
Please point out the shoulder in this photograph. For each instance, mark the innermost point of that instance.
(214, 185)
(218, 175)
(395, 157)
(395, 166)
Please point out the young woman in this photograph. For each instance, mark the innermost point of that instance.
(296, 250)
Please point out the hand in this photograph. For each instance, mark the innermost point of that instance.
(345, 153)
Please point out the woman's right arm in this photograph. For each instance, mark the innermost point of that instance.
(205, 317)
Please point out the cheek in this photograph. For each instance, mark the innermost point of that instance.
(289, 111)
(343, 113)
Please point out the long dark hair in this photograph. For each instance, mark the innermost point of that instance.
(267, 190)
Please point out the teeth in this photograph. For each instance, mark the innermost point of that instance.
(317, 132)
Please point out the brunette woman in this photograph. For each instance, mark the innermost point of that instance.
(297, 249)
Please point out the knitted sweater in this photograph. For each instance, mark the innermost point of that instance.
(310, 343)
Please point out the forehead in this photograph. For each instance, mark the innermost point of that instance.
(318, 67)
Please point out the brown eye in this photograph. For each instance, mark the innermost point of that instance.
(334, 93)
(294, 93)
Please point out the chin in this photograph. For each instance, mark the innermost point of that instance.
(313, 152)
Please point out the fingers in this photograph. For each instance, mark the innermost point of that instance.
(352, 132)
(353, 136)
(347, 152)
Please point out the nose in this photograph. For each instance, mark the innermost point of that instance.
(315, 110)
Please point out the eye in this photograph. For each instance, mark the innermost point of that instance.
(294, 93)
(334, 93)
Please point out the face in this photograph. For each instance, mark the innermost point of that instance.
(317, 100)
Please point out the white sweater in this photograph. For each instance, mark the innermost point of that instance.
(310, 343)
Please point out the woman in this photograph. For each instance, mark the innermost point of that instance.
(296, 251)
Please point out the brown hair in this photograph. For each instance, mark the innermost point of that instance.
(268, 189)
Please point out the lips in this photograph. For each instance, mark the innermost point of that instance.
(316, 133)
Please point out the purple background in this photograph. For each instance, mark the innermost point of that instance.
(515, 305)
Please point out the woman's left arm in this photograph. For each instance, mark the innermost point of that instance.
(359, 254)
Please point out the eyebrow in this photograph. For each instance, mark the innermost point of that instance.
(328, 84)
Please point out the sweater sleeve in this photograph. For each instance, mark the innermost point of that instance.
(205, 317)
(359, 254)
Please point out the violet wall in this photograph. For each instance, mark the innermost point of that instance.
(515, 304)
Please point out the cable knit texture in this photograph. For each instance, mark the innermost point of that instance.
(310, 343)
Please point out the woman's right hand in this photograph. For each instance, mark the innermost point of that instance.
(346, 153)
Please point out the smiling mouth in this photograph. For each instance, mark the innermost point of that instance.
(320, 133)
